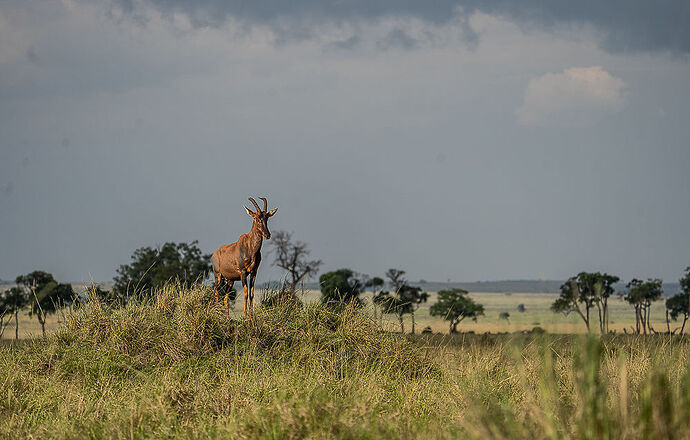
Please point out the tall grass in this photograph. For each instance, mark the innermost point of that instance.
(175, 366)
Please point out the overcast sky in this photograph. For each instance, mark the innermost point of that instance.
(457, 139)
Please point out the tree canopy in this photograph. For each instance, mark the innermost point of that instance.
(151, 268)
(45, 294)
(403, 299)
(454, 306)
(12, 301)
(640, 295)
(679, 304)
(340, 287)
(585, 291)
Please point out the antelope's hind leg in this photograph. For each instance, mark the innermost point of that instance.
(228, 289)
(218, 280)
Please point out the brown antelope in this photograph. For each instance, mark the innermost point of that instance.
(240, 260)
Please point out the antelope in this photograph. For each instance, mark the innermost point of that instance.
(240, 260)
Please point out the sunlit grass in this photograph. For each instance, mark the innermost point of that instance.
(176, 367)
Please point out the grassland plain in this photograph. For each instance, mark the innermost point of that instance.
(175, 367)
(537, 306)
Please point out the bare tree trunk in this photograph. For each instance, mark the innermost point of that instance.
(3, 324)
(643, 319)
(606, 314)
(43, 324)
(668, 324)
(413, 322)
(402, 324)
(16, 325)
(685, 318)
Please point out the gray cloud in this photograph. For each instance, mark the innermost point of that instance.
(398, 39)
(346, 44)
(621, 25)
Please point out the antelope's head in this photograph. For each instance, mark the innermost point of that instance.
(261, 217)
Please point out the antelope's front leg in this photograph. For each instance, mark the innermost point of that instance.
(252, 280)
(244, 290)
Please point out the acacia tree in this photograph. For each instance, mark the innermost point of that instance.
(153, 267)
(391, 303)
(376, 285)
(640, 295)
(585, 291)
(46, 295)
(11, 302)
(404, 299)
(415, 297)
(679, 304)
(340, 287)
(454, 306)
(292, 257)
(569, 301)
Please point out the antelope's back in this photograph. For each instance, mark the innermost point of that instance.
(224, 261)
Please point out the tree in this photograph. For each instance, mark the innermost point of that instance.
(152, 268)
(640, 295)
(46, 295)
(396, 304)
(376, 285)
(11, 302)
(404, 299)
(597, 288)
(569, 301)
(454, 306)
(292, 257)
(415, 297)
(679, 304)
(585, 291)
(521, 308)
(504, 315)
(340, 287)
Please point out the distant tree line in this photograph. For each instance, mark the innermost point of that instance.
(587, 294)
(40, 293)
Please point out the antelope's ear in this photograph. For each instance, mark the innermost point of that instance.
(248, 211)
(272, 211)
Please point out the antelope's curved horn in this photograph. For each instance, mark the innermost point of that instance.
(256, 205)
(265, 203)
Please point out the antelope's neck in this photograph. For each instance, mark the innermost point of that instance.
(255, 239)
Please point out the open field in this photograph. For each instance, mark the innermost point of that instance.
(175, 367)
(537, 314)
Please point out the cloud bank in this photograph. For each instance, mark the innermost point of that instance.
(621, 25)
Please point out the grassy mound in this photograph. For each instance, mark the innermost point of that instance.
(177, 325)
(176, 367)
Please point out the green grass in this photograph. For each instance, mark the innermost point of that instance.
(538, 313)
(176, 367)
